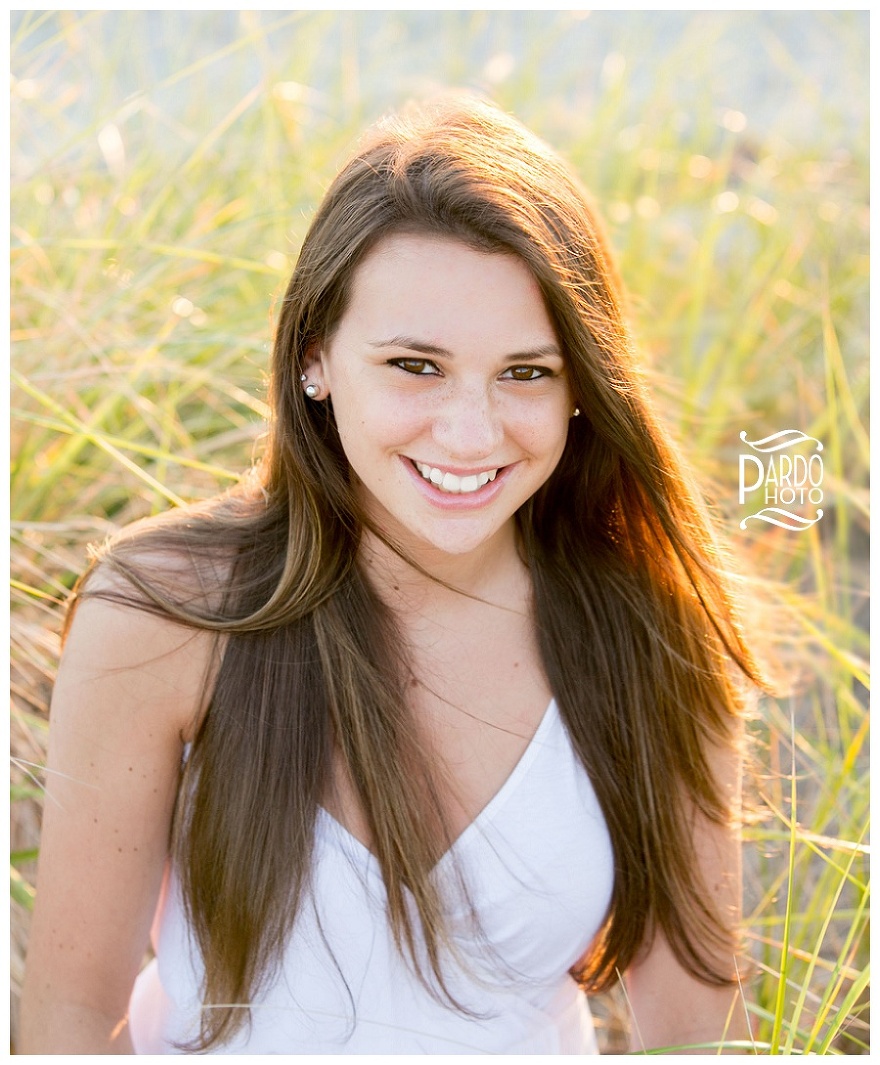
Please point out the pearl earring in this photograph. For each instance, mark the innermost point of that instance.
(576, 412)
(312, 391)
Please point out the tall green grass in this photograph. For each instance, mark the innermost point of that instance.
(164, 170)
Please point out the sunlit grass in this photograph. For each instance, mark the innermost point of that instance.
(154, 225)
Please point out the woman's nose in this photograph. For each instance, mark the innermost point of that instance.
(468, 425)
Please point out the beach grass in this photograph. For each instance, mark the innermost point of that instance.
(159, 195)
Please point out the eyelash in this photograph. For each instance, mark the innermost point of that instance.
(405, 364)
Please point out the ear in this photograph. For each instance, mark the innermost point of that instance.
(314, 371)
(313, 363)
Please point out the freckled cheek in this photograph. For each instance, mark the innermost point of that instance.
(540, 432)
(379, 427)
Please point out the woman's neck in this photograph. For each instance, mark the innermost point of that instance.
(495, 572)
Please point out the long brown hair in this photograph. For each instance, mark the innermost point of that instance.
(636, 622)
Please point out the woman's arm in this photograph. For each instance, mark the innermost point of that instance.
(669, 1006)
(129, 689)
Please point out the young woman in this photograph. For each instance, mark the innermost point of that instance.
(435, 721)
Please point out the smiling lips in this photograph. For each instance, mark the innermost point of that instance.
(451, 482)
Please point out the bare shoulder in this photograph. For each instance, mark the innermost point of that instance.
(150, 669)
(135, 619)
(131, 688)
(161, 555)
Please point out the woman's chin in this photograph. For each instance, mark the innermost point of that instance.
(453, 538)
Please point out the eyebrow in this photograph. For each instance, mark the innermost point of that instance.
(543, 351)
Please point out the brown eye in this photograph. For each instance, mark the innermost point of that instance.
(415, 366)
(526, 373)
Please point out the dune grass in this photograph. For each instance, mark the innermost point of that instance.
(159, 194)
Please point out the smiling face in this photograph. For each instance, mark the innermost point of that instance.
(449, 391)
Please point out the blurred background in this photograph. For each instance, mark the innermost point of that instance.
(165, 166)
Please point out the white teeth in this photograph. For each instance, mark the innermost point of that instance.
(452, 483)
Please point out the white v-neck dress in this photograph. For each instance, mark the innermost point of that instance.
(539, 869)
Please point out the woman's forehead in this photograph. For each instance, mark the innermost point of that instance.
(443, 291)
